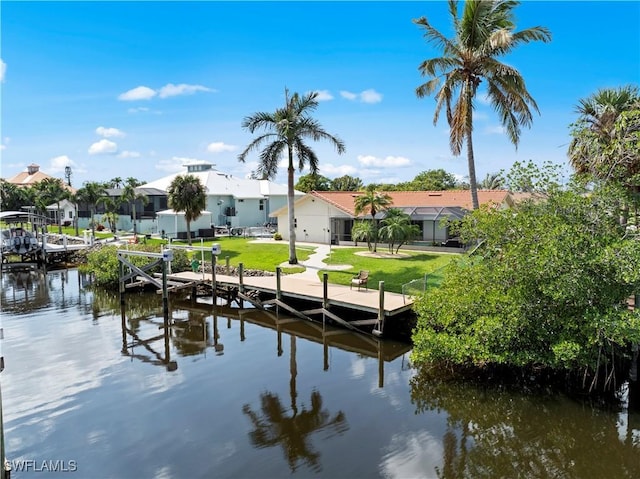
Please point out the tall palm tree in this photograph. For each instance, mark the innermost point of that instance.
(186, 193)
(130, 195)
(286, 130)
(484, 32)
(372, 202)
(90, 193)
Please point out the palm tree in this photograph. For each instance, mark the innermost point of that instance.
(51, 190)
(111, 206)
(90, 193)
(605, 141)
(397, 229)
(493, 181)
(130, 195)
(116, 182)
(595, 129)
(186, 193)
(372, 202)
(286, 130)
(362, 230)
(483, 33)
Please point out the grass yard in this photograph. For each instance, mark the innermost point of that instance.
(268, 255)
(394, 272)
(263, 256)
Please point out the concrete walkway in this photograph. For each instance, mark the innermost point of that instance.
(315, 263)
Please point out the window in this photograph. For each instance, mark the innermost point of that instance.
(261, 205)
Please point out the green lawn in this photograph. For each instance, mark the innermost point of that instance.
(266, 256)
(394, 272)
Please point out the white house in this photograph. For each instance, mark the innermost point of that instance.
(328, 216)
(62, 212)
(231, 201)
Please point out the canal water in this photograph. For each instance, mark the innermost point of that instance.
(92, 390)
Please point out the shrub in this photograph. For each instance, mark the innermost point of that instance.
(103, 263)
(277, 236)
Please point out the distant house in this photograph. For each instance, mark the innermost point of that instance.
(32, 176)
(328, 216)
(61, 213)
(146, 213)
(231, 201)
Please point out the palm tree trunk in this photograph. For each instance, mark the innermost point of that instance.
(133, 211)
(59, 219)
(473, 184)
(75, 218)
(290, 199)
(188, 231)
(375, 234)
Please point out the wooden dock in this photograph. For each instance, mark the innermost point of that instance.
(353, 308)
(375, 305)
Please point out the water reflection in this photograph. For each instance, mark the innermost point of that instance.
(125, 394)
(23, 289)
(292, 432)
(499, 433)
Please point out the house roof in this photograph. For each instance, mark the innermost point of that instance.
(345, 200)
(32, 176)
(222, 184)
(426, 204)
(63, 204)
(144, 191)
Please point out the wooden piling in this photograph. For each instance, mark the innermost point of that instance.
(214, 287)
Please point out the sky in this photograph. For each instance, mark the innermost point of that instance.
(138, 89)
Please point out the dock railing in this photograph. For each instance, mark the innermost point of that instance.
(414, 288)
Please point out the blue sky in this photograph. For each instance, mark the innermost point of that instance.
(138, 88)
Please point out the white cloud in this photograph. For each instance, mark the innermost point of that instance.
(109, 132)
(337, 170)
(366, 96)
(103, 147)
(138, 109)
(182, 89)
(169, 90)
(175, 164)
(3, 147)
(138, 93)
(495, 130)
(220, 147)
(3, 69)
(387, 162)
(324, 95)
(59, 163)
(348, 95)
(370, 96)
(129, 154)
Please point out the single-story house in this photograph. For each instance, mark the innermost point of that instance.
(328, 216)
(62, 212)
